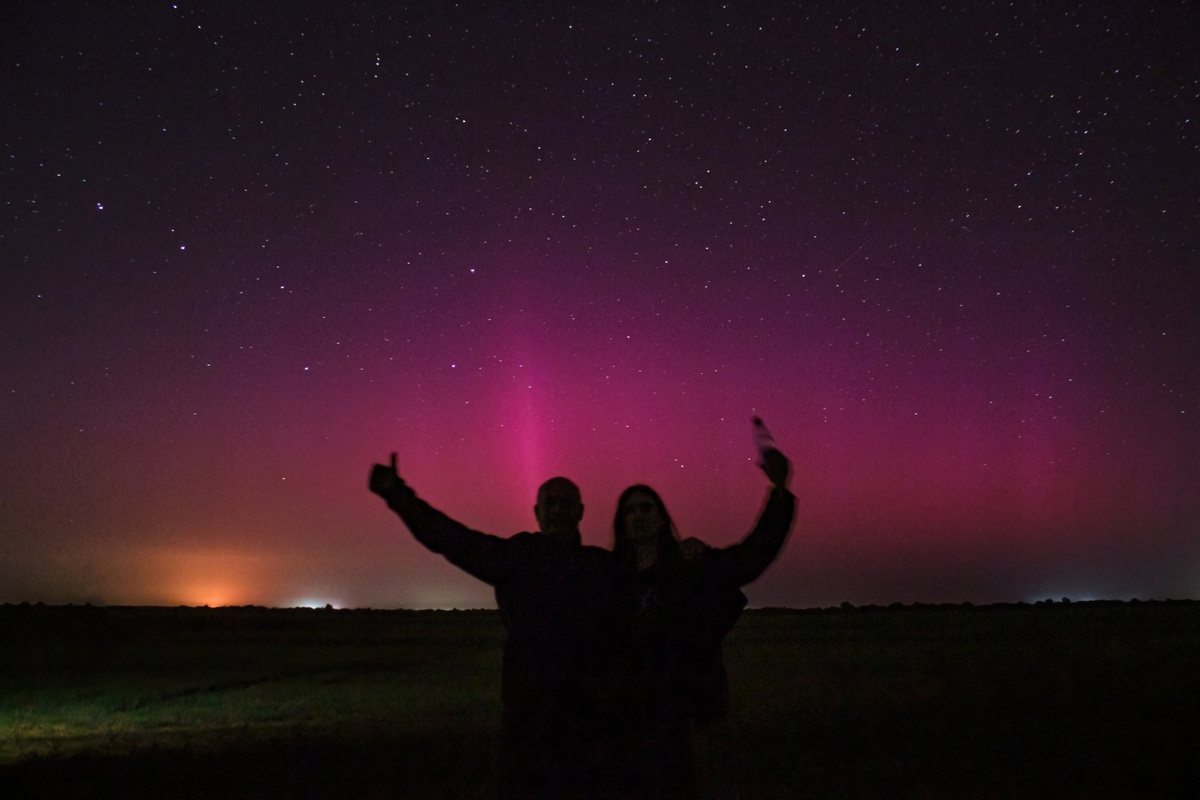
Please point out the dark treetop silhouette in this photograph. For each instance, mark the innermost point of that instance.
(557, 601)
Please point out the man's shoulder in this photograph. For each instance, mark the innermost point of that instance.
(525, 539)
(596, 553)
(541, 543)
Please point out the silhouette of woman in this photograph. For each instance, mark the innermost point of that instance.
(681, 598)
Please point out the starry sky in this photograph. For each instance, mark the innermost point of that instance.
(949, 253)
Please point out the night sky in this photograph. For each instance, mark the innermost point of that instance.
(950, 254)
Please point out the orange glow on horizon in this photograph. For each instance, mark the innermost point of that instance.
(218, 577)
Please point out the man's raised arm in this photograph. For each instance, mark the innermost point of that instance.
(478, 554)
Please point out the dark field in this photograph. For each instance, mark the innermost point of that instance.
(1095, 700)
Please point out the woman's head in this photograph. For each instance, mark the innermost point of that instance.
(643, 524)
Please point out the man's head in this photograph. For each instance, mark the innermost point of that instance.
(559, 506)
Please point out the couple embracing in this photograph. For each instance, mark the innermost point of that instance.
(610, 657)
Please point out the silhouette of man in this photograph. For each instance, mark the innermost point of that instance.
(556, 600)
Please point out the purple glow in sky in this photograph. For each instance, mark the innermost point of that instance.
(949, 255)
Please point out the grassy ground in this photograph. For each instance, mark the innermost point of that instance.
(1053, 700)
(1079, 700)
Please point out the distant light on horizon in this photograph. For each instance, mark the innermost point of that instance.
(311, 603)
(211, 595)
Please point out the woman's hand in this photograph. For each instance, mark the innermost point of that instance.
(777, 468)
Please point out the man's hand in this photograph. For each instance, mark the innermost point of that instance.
(692, 549)
(384, 478)
(777, 468)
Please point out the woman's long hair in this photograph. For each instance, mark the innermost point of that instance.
(668, 537)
